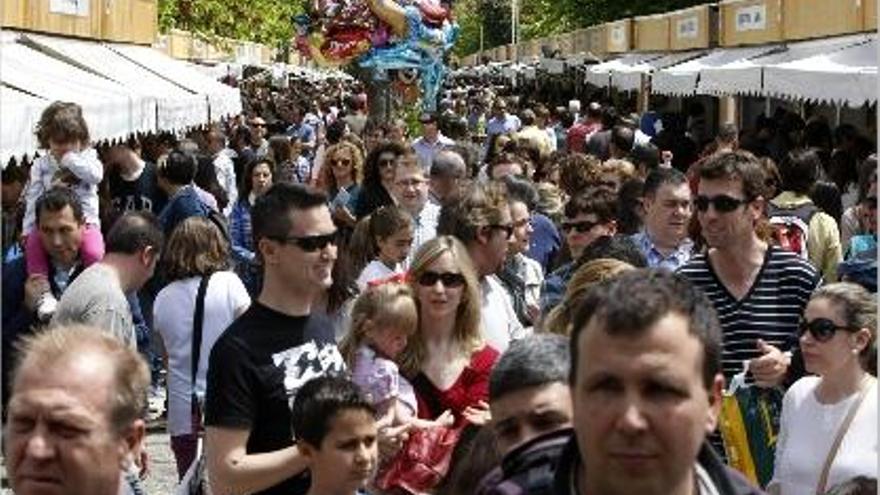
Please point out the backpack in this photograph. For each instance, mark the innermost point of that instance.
(791, 227)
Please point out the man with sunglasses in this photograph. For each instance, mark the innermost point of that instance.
(431, 142)
(589, 216)
(759, 290)
(481, 220)
(258, 365)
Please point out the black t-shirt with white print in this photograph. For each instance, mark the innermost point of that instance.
(256, 369)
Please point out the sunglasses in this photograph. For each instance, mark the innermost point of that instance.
(507, 229)
(870, 202)
(342, 162)
(722, 203)
(822, 329)
(386, 162)
(311, 243)
(449, 279)
(582, 227)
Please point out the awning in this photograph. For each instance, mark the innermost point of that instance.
(177, 108)
(600, 74)
(223, 100)
(745, 77)
(110, 109)
(20, 114)
(847, 76)
(681, 79)
(630, 78)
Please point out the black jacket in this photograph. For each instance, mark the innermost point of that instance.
(726, 480)
(528, 469)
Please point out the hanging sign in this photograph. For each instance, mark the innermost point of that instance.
(752, 18)
(688, 28)
(69, 7)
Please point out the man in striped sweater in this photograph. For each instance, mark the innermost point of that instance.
(758, 290)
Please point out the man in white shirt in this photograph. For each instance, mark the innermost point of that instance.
(481, 220)
(431, 142)
(224, 167)
(410, 192)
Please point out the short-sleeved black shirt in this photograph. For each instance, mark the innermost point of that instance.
(255, 370)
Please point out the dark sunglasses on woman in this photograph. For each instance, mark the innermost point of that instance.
(449, 279)
(822, 329)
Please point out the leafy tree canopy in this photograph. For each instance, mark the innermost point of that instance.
(262, 21)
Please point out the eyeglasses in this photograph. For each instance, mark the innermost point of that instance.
(722, 203)
(582, 227)
(521, 222)
(449, 279)
(822, 329)
(311, 243)
(410, 182)
(507, 229)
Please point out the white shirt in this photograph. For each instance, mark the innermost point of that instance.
(426, 150)
(173, 311)
(807, 430)
(424, 229)
(376, 270)
(500, 324)
(226, 177)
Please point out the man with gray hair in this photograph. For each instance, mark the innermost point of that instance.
(447, 172)
(531, 414)
(74, 423)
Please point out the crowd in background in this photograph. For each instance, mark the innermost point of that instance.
(454, 268)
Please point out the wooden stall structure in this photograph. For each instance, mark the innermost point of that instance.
(619, 36)
(750, 22)
(803, 19)
(598, 40)
(129, 21)
(651, 33)
(870, 15)
(693, 28)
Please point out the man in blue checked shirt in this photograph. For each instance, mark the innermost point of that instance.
(666, 199)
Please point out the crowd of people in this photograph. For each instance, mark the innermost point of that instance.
(505, 297)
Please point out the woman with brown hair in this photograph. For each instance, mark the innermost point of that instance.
(197, 268)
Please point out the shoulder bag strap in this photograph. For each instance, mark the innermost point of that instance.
(832, 453)
(198, 320)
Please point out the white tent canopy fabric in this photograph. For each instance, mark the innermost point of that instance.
(630, 78)
(600, 74)
(178, 108)
(20, 114)
(681, 79)
(846, 76)
(110, 109)
(223, 100)
(746, 76)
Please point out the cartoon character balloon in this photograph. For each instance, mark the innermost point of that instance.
(381, 35)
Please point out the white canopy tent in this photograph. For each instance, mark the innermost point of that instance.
(746, 76)
(846, 76)
(223, 100)
(20, 114)
(177, 108)
(600, 74)
(682, 79)
(111, 110)
(630, 78)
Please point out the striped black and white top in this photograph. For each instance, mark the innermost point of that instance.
(770, 310)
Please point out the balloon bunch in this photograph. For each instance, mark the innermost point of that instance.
(381, 35)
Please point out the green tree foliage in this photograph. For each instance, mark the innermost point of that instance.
(263, 21)
(546, 17)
